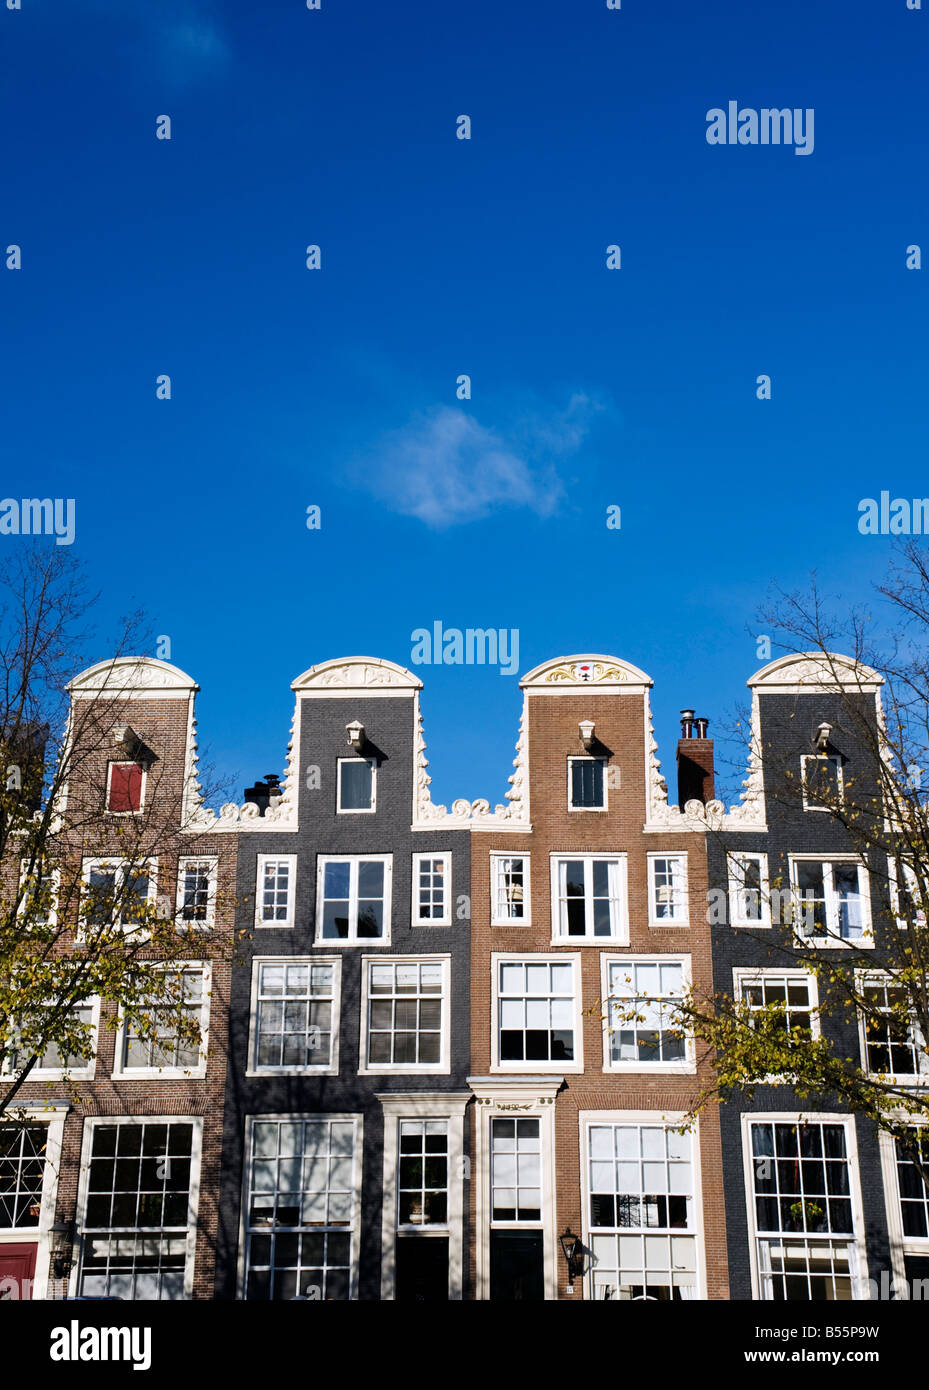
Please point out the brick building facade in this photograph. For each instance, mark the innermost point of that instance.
(441, 1051)
(596, 890)
(110, 1187)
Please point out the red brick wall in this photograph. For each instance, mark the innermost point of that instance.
(553, 735)
(162, 724)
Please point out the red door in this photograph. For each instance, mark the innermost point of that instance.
(17, 1270)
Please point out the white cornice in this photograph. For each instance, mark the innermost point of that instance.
(515, 1090)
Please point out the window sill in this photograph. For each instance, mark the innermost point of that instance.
(256, 1073)
(329, 943)
(609, 941)
(651, 1068)
(405, 1069)
(536, 1068)
(833, 943)
(160, 1074)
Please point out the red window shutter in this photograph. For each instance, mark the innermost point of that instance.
(125, 787)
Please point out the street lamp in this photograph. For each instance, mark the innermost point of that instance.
(569, 1248)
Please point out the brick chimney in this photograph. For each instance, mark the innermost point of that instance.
(695, 776)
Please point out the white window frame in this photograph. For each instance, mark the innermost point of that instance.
(914, 1081)
(589, 758)
(687, 1065)
(746, 975)
(353, 940)
(666, 1120)
(496, 1097)
(901, 1244)
(498, 958)
(424, 1105)
(125, 762)
(355, 1227)
(209, 921)
(81, 1235)
(54, 878)
(620, 935)
(85, 1071)
(446, 919)
(859, 1274)
(356, 810)
(497, 859)
(107, 861)
(834, 940)
(737, 917)
(444, 1065)
(894, 886)
(262, 860)
(330, 1068)
(123, 1073)
(682, 918)
(50, 1113)
(839, 779)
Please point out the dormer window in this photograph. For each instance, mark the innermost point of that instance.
(586, 784)
(125, 788)
(821, 775)
(356, 790)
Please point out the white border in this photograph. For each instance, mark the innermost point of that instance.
(358, 1149)
(621, 927)
(858, 1239)
(588, 758)
(526, 919)
(534, 1097)
(444, 1065)
(735, 891)
(352, 941)
(839, 779)
(196, 1150)
(332, 1067)
(123, 1073)
(41, 1236)
(212, 860)
(446, 919)
(653, 919)
(424, 1105)
(664, 1120)
(687, 1066)
(261, 861)
(834, 941)
(535, 1068)
(356, 810)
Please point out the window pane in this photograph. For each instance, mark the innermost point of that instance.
(357, 783)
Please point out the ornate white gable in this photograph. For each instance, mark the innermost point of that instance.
(132, 678)
(799, 672)
(368, 673)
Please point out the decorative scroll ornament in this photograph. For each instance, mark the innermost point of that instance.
(464, 812)
(587, 671)
(231, 816)
(748, 815)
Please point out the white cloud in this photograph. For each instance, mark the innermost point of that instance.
(445, 468)
(184, 39)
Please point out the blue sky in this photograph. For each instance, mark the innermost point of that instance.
(440, 256)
